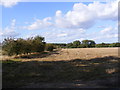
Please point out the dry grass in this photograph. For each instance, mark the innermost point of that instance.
(83, 67)
(76, 53)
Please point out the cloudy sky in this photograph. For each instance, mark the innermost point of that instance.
(61, 22)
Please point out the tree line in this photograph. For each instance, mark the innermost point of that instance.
(19, 46)
(86, 44)
(83, 44)
(90, 44)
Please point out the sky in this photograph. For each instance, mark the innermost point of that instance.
(60, 22)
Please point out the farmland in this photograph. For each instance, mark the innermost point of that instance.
(63, 68)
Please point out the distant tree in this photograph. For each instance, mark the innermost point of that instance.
(38, 44)
(49, 47)
(114, 45)
(92, 43)
(88, 43)
(39, 39)
(76, 43)
(20, 46)
(59, 45)
(9, 46)
(117, 44)
(69, 45)
(82, 46)
(102, 45)
(17, 47)
(85, 43)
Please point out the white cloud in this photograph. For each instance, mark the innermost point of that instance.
(62, 35)
(107, 38)
(58, 13)
(106, 30)
(58, 35)
(74, 19)
(106, 35)
(73, 24)
(9, 34)
(81, 16)
(101, 26)
(85, 16)
(9, 31)
(39, 24)
(105, 11)
(9, 3)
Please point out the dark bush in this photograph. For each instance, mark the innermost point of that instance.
(20, 46)
(49, 47)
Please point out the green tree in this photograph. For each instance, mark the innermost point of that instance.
(49, 47)
(38, 44)
(115, 44)
(92, 43)
(9, 46)
(76, 43)
(21, 46)
(69, 45)
(88, 43)
(82, 46)
(102, 45)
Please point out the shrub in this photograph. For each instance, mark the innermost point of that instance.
(102, 45)
(49, 47)
(69, 45)
(82, 46)
(20, 46)
(114, 45)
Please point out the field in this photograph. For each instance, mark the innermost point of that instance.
(63, 68)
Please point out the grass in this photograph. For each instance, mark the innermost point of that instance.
(17, 74)
(54, 67)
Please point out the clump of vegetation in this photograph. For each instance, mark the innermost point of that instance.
(59, 45)
(83, 44)
(11, 46)
(102, 45)
(117, 44)
(21, 46)
(90, 44)
(49, 47)
(114, 45)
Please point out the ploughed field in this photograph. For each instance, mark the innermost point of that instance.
(64, 68)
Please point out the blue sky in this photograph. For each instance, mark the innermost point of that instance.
(61, 22)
